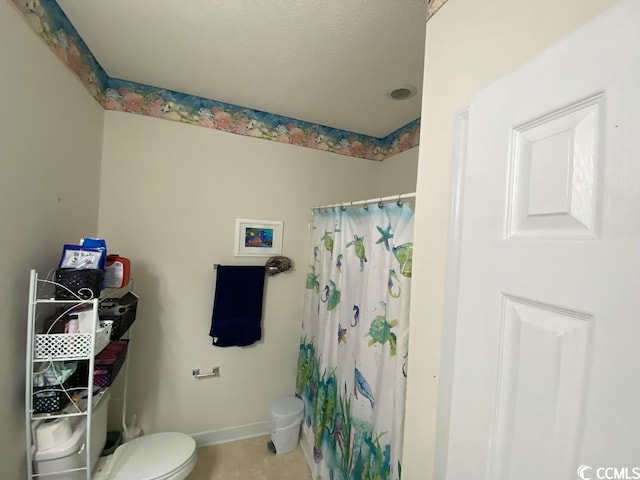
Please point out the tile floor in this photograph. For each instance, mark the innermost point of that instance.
(248, 459)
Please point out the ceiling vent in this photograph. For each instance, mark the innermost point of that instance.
(402, 92)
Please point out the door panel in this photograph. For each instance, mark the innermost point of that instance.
(546, 355)
(540, 398)
(554, 164)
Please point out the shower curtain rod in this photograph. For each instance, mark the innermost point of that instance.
(399, 198)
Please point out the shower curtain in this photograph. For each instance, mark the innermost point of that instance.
(353, 351)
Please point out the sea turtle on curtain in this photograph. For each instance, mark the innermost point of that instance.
(358, 247)
(380, 330)
(327, 241)
(404, 254)
(312, 279)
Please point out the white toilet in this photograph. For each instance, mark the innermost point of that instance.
(159, 456)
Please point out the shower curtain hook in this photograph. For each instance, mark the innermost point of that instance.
(380, 204)
(400, 202)
(343, 207)
(366, 207)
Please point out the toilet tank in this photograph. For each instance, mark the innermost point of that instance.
(65, 455)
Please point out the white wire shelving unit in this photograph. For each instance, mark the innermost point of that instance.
(45, 348)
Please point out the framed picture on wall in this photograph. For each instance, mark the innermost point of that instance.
(258, 238)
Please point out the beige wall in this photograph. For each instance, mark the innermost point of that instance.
(50, 149)
(398, 173)
(470, 44)
(170, 194)
(168, 198)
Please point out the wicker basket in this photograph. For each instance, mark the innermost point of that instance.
(73, 284)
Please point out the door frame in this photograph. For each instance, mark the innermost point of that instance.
(451, 287)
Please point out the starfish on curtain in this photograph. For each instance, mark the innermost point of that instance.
(386, 236)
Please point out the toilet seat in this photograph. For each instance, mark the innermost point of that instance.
(159, 456)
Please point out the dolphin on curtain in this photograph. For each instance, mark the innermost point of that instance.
(361, 385)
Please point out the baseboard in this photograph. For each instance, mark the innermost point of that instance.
(231, 434)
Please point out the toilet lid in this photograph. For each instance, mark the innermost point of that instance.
(153, 457)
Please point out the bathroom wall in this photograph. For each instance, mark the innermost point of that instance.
(397, 174)
(170, 194)
(50, 150)
(470, 44)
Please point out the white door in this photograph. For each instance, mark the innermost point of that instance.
(547, 350)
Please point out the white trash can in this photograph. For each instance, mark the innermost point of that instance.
(286, 417)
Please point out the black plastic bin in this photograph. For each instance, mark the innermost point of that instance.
(121, 311)
(73, 283)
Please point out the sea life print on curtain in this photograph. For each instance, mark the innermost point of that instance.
(352, 361)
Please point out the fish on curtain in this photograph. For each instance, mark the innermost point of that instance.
(352, 360)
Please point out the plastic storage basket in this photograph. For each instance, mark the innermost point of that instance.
(72, 283)
(121, 311)
(109, 362)
(60, 346)
(53, 398)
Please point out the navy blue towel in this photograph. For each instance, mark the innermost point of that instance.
(237, 306)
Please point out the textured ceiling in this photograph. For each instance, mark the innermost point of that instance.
(326, 62)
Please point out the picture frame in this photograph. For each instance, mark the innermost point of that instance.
(258, 238)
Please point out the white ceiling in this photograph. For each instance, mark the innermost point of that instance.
(328, 62)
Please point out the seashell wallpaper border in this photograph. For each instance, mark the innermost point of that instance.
(53, 26)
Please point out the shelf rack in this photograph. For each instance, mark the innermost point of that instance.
(41, 293)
